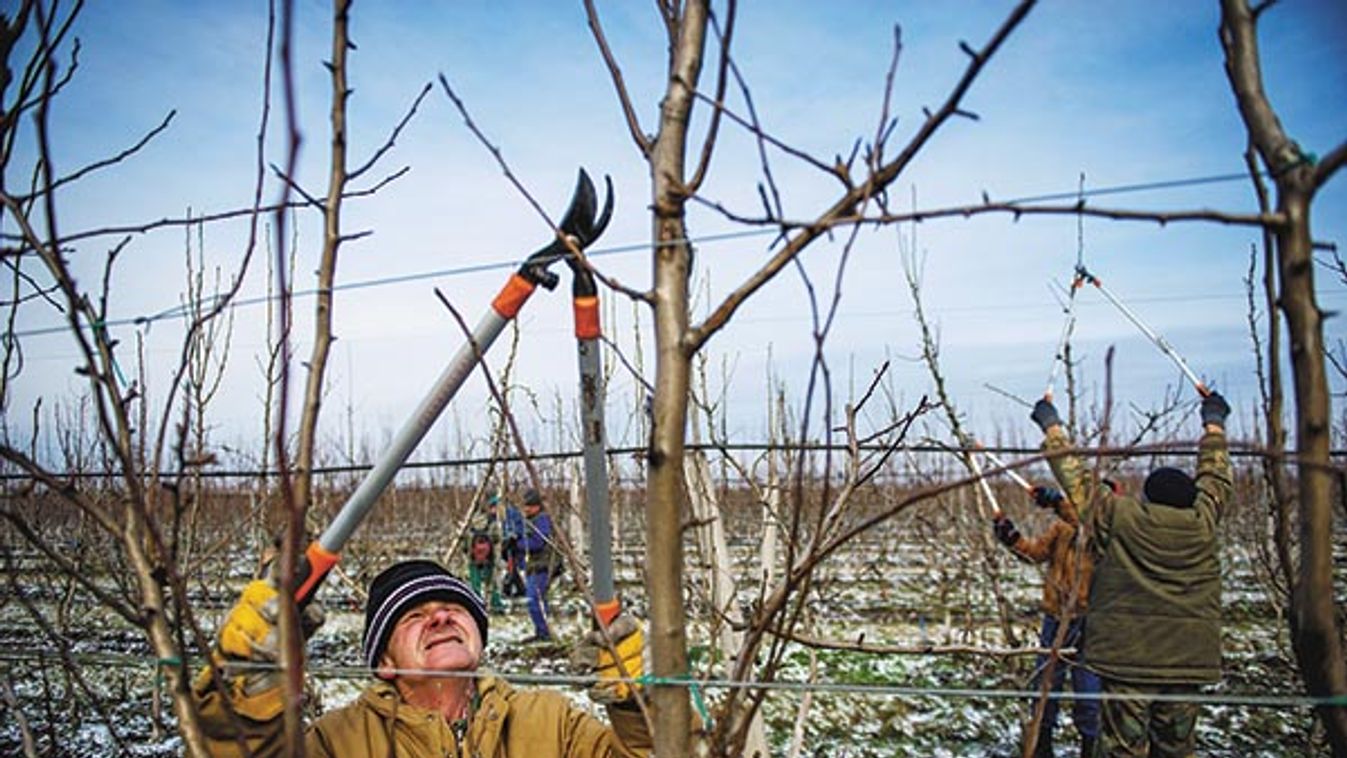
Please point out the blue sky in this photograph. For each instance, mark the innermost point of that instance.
(1129, 95)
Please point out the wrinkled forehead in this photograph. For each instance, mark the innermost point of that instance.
(432, 605)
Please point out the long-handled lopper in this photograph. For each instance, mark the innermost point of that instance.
(1010, 472)
(583, 226)
(588, 334)
(1068, 325)
(1156, 339)
(973, 464)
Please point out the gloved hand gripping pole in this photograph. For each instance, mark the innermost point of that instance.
(580, 224)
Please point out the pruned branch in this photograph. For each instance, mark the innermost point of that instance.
(643, 141)
(846, 206)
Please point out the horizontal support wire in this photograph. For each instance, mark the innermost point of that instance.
(1281, 700)
(709, 447)
(181, 311)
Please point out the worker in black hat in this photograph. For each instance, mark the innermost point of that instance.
(425, 635)
(1154, 626)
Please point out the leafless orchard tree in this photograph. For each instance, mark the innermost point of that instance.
(153, 452)
(666, 149)
(1315, 624)
(670, 146)
(139, 510)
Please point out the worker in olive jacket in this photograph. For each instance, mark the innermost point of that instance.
(1155, 599)
(425, 632)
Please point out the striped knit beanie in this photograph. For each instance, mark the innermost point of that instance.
(405, 585)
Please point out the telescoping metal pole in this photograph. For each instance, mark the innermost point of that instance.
(1156, 339)
(1068, 325)
(579, 223)
(1012, 473)
(986, 487)
(588, 337)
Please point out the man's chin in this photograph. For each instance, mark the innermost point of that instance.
(451, 656)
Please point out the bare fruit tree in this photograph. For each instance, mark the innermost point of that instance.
(669, 150)
(155, 444)
(1315, 623)
(688, 27)
(141, 507)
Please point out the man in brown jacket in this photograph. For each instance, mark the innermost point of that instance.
(425, 632)
(1066, 591)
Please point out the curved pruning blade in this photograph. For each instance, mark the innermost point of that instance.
(580, 215)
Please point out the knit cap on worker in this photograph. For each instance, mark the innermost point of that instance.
(1170, 486)
(405, 585)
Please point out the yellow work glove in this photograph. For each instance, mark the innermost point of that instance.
(593, 652)
(248, 649)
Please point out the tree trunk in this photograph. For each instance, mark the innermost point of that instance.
(672, 266)
(1314, 625)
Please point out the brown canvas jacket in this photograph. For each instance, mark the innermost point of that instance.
(1069, 567)
(506, 723)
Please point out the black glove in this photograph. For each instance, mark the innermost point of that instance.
(1048, 497)
(1045, 414)
(1005, 531)
(1215, 409)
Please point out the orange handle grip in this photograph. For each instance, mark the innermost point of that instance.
(317, 562)
(586, 309)
(512, 296)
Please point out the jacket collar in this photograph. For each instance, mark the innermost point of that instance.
(485, 724)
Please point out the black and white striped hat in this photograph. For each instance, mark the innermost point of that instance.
(405, 585)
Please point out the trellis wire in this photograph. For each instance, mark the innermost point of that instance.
(867, 690)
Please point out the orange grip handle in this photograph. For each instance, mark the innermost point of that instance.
(607, 611)
(512, 296)
(318, 561)
(586, 308)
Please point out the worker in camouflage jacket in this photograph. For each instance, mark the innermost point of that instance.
(425, 634)
(1155, 598)
(1066, 591)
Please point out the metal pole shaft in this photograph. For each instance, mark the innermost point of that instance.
(411, 433)
(982, 480)
(1159, 341)
(596, 471)
(1012, 473)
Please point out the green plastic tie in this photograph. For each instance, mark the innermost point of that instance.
(101, 326)
(160, 664)
(682, 681)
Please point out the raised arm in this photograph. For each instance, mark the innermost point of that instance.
(1215, 479)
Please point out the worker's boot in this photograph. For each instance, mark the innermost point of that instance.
(1088, 746)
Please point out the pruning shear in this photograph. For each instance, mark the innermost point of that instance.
(581, 225)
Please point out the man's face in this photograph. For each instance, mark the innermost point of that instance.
(433, 636)
(531, 509)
